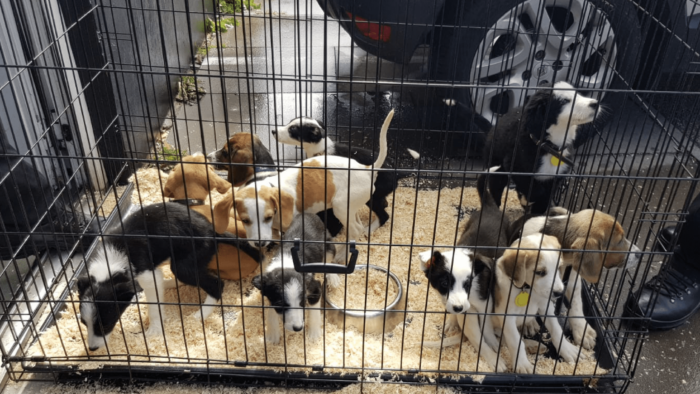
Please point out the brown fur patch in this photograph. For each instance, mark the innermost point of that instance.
(595, 232)
(266, 193)
(239, 150)
(314, 185)
(193, 179)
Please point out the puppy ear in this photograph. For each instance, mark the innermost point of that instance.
(83, 284)
(513, 265)
(238, 174)
(257, 282)
(431, 259)
(221, 215)
(169, 188)
(275, 200)
(313, 290)
(482, 263)
(126, 291)
(535, 111)
(589, 261)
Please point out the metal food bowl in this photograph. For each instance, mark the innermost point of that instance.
(370, 321)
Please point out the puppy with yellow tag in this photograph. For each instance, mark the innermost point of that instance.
(527, 275)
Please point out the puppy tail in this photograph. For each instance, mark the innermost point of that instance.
(484, 195)
(383, 146)
(449, 341)
(231, 239)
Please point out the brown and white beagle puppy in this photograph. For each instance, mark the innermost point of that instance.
(190, 184)
(314, 185)
(590, 241)
(241, 149)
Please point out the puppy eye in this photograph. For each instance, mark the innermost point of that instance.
(541, 273)
(567, 101)
(267, 219)
(245, 221)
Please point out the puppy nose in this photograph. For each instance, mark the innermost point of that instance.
(259, 244)
(274, 132)
(298, 328)
(457, 308)
(92, 349)
(594, 104)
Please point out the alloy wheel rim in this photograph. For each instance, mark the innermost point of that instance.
(538, 42)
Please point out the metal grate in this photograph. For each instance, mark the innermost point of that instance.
(102, 102)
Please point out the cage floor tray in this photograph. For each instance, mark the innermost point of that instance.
(233, 334)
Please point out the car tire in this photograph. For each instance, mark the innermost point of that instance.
(466, 26)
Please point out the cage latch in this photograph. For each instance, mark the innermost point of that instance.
(317, 368)
(241, 364)
(324, 268)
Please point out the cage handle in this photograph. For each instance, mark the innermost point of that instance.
(324, 268)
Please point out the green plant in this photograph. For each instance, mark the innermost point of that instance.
(189, 91)
(220, 25)
(234, 6)
(170, 153)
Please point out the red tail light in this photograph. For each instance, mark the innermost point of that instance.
(371, 30)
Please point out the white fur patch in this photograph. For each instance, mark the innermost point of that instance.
(413, 153)
(258, 230)
(293, 295)
(108, 261)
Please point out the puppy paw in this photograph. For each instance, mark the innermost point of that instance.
(154, 331)
(314, 334)
(332, 280)
(584, 335)
(568, 351)
(451, 323)
(501, 366)
(534, 347)
(169, 283)
(372, 227)
(524, 367)
(272, 337)
(531, 328)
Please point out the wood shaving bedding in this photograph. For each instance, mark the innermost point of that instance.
(234, 332)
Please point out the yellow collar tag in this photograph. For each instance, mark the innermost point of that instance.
(521, 299)
(555, 161)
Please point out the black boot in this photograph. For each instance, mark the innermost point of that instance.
(665, 238)
(677, 290)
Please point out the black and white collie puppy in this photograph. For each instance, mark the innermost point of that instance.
(465, 277)
(310, 135)
(537, 138)
(289, 291)
(149, 238)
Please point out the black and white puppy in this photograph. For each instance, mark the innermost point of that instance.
(310, 135)
(465, 276)
(289, 291)
(537, 139)
(148, 239)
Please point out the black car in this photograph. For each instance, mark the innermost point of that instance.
(492, 48)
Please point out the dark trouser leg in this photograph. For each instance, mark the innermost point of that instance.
(670, 298)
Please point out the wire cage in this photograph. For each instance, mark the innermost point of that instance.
(106, 102)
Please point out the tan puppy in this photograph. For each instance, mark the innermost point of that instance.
(526, 277)
(596, 241)
(190, 183)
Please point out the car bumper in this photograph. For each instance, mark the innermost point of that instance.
(409, 21)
